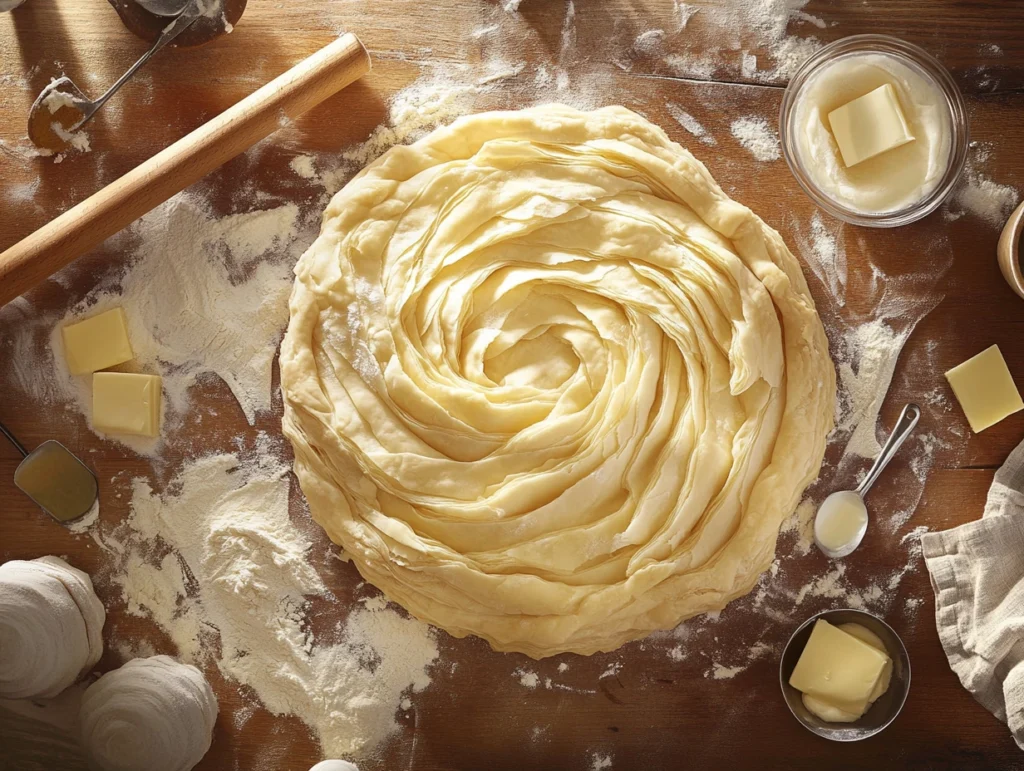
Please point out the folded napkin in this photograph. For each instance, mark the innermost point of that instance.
(977, 572)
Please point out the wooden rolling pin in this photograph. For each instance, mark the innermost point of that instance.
(76, 231)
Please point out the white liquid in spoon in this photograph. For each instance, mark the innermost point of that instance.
(841, 520)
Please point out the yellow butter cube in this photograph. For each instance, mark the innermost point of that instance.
(838, 668)
(97, 343)
(985, 389)
(126, 403)
(869, 125)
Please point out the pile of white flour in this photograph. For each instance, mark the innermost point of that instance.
(216, 561)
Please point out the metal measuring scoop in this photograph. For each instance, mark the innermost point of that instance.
(61, 108)
(55, 479)
(842, 518)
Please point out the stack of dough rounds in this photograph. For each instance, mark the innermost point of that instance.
(152, 714)
(51, 625)
(548, 384)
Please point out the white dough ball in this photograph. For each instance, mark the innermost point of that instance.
(334, 765)
(152, 714)
(51, 624)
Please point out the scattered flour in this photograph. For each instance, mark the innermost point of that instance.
(304, 166)
(802, 523)
(864, 378)
(650, 43)
(985, 199)
(689, 123)
(599, 762)
(76, 140)
(234, 589)
(413, 111)
(719, 672)
(202, 296)
(757, 137)
(693, 66)
(84, 523)
(825, 256)
(740, 27)
(526, 678)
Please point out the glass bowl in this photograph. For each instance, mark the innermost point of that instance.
(924, 64)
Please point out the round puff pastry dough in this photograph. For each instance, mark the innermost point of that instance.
(547, 384)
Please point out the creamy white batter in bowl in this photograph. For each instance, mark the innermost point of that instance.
(901, 185)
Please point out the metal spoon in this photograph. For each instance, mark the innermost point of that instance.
(842, 518)
(55, 479)
(61, 108)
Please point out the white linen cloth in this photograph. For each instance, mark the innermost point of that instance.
(977, 572)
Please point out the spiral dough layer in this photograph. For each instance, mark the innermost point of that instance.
(547, 384)
(152, 714)
(51, 625)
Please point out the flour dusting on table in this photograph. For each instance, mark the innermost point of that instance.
(758, 138)
(219, 565)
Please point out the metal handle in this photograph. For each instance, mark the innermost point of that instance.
(181, 22)
(12, 440)
(908, 419)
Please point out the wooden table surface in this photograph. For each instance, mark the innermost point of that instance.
(654, 712)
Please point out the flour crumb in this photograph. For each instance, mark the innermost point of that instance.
(677, 653)
(649, 43)
(748, 65)
(526, 678)
(600, 762)
(757, 137)
(985, 199)
(684, 12)
(379, 602)
(563, 667)
(76, 140)
(303, 166)
(720, 672)
(689, 123)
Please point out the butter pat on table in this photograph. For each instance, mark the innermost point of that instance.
(869, 125)
(126, 403)
(97, 343)
(985, 389)
(838, 668)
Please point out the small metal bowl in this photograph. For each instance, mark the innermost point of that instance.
(882, 712)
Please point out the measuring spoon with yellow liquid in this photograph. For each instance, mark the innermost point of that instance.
(55, 479)
(842, 518)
